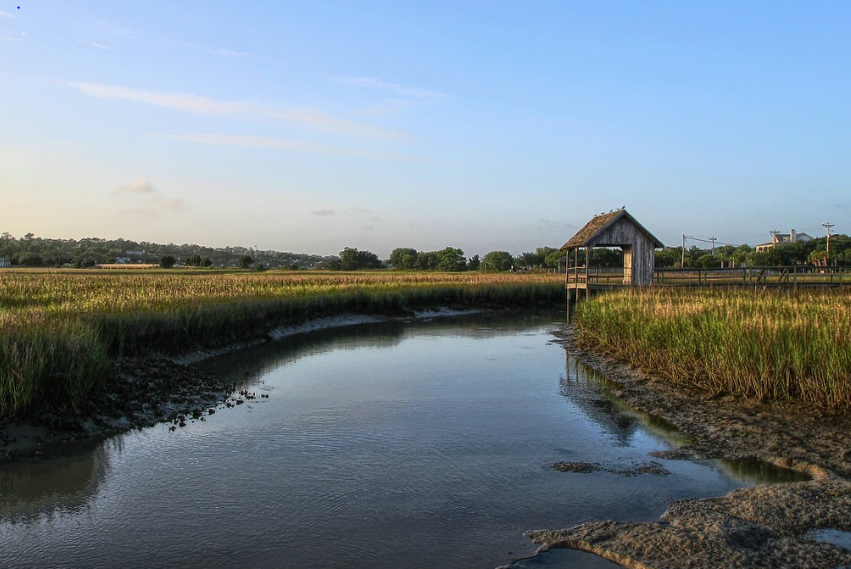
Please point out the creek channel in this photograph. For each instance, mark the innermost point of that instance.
(424, 443)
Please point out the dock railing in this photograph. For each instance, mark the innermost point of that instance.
(792, 276)
(601, 277)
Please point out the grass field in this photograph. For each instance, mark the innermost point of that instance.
(62, 331)
(769, 344)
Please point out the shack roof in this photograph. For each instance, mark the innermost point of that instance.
(599, 224)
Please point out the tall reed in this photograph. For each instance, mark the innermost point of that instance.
(61, 331)
(767, 344)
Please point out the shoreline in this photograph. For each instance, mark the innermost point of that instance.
(156, 388)
(770, 525)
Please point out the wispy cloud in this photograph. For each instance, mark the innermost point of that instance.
(140, 186)
(153, 202)
(401, 97)
(113, 28)
(217, 51)
(395, 88)
(225, 52)
(553, 224)
(323, 212)
(387, 107)
(5, 14)
(94, 44)
(170, 204)
(203, 105)
(282, 144)
(255, 142)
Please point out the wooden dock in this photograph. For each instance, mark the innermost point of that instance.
(587, 279)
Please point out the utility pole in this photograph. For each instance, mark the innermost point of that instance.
(683, 260)
(827, 226)
(713, 239)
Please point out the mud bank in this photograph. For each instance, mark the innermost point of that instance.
(152, 389)
(765, 526)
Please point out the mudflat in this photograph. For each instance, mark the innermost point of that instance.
(790, 525)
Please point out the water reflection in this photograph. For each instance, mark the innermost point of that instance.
(754, 471)
(250, 364)
(378, 441)
(835, 537)
(595, 395)
(624, 422)
(30, 490)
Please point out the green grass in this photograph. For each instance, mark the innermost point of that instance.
(62, 332)
(768, 345)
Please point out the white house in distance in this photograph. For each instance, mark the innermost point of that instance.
(5, 262)
(780, 239)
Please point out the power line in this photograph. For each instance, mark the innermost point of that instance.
(710, 240)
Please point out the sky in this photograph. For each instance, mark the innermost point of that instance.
(483, 125)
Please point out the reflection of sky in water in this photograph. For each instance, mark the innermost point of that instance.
(416, 445)
(833, 536)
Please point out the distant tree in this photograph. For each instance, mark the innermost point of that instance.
(526, 260)
(607, 257)
(473, 263)
(245, 261)
(28, 259)
(349, 259)
(427, 260)
(167, 261)
(669, 257)
(369, 260)
(206, 262)
(352, 260)
(709, 261)
(536, 259)
(497, 261)
(554, 258)
(403, 258)
(259, 267)
(451, 259)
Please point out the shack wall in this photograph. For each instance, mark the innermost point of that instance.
(643, 261)
(642, 257)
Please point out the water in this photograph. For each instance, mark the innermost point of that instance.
(420, 444)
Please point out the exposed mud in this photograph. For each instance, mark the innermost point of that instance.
(653, 468)
(142, 392)
(763, 526)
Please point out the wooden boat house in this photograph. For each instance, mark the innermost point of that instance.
(614, 229)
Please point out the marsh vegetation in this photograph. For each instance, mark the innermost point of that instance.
(766, 344)
(62, 331)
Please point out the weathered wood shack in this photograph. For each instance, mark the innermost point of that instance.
(614, 229)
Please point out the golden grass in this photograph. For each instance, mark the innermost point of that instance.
(766, 344)
(59, 330)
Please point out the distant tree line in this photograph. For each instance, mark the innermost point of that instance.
(812, 252)
(450, 259)
(32, 251)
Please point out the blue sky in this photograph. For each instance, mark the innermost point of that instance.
(313, 126)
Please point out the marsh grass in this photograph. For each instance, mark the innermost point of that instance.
(768, 344)
(60, 332)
